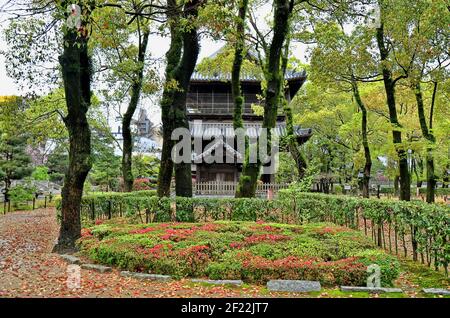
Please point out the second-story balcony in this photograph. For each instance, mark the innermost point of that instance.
(219, 103)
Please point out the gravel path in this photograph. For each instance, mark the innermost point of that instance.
(29, 269)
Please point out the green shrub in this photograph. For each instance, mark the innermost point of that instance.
(254, 252)
(390, 267)
(40, 173)
(21, 194)
(431, 222)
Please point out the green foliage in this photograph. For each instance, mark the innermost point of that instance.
(22, 194)
(221, 64)
(40, 173)
(287, 171)
(306, 183)
(105, 171)
(431, 221)
(390, 267)
(57, 164)
(145, 167)
(15, 163)
(254, 252)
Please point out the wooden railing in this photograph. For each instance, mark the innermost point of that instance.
(224, 188)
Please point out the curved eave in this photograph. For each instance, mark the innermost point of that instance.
(295, 84)
(302, 134)
(294, 78)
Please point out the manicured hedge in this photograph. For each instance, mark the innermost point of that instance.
(252, 251)
(111, 204)
(437, 191)
(427, 226)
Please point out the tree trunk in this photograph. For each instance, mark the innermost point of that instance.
(396, 184)
(76, 72)
(173, 57)
(431, 179)
(389, 85)
(272, 72)
(183, 73)
(237, 65)
(293, 145)
(236, 80)
(368, 164)
(136, 89)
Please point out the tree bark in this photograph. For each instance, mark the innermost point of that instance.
(237, 65)
(183, 73)
(389, 85)
(431, 178)
(365, 142)
(136, 89)
(76, 71)
(293, 145)
(250, 173)
(173, 57)
(236, 74)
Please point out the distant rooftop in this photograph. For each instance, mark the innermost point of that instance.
(224, 77)
(208, 130)
(197, 77)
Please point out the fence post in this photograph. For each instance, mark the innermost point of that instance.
(414, 242)
(93, 210)
(45, 202)
(34, 203)
(109, 210)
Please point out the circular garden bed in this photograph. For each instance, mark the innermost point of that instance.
(252, 251)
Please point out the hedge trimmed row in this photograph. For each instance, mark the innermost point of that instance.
(426, 226)
(437, 191)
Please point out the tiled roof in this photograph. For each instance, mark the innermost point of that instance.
(208, 130)
(197, 77)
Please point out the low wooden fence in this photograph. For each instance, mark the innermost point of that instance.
(226, 188)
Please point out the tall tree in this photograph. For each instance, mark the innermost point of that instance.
(344, 62)
(136, 88)
(239, 48)
(427, 38)
(390, 83)
(15, 162)
(272, 72)
(120, 44)
(365, 139)
(428, 135)
(184, 39)
(291, 139)
(76, 70)
(236, 92)
(173, 57)
(183, 73)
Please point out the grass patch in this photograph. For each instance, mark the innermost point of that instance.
(422, 276)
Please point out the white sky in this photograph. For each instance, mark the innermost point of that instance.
(7, 86)
(157, 48)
